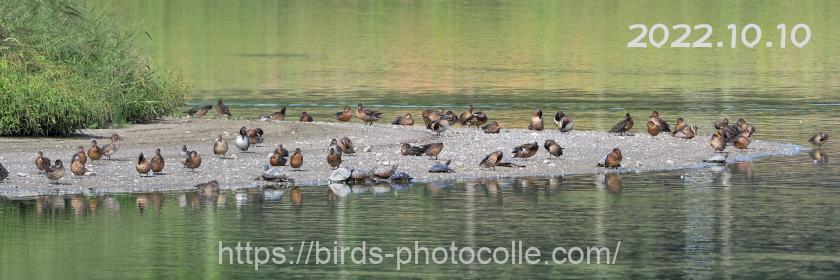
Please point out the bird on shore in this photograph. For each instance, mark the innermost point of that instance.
(76, 166)
(344, 115)
(553, 148)
(4, 174)
(56, 171)
(563, 122)
(440, 126)
(82, 156)
(432, 149)
(536, 120)
(687, 132)
(277, 158)
(409, 150)
(525, 150)
(679, 126)
(255, 136)
(653, 129)
(222, 109)
(198, 111)
(491, 128)
(305, 117)
(297, 160)
(112, 148)
(466, 115)
(473, 118)
(94, 152)
(431, 116)
(220, 147)
(742, 142)
(441, 167)
(279, 115)
(728, 132)
(334, 144)
(718, 142)
(346, 146)
(158, 162)
(366, 115)
(404, 120)
(658, 121)
(613, 159)
(745, 128)
(42, 162)
(281, 151)
(491, 160)
(193, 161)
(819, 139)
(623, 126)
(242, 142)
(450, 117)
(334, 157)
(143, 167)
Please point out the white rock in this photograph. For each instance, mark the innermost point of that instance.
(367, 149)
(671, 162)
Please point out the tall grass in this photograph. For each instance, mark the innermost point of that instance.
(63, 68)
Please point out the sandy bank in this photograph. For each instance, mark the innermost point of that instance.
(465, 147)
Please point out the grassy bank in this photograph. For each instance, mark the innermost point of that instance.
(64, 67)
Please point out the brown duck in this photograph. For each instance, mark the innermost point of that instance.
(366, 115)
(198, 111)
(334, 157)
(553, 148)
(220, 147)
(440, 126)
(432, 150)
(686, 132)
(346, 146)
(42, 162)
(613, 160)
(742, 142)
(76, 166)
(466, 115)
(563, 122)
(56, 171)
(157, 163)
(819, 139)
(623, 126)
(680, 125)
(661, 123)
(193, 161)
(297, 160)
(718, 142)
(431, 116)
(277, 158)
(536, 121)
(94, 152)
(345, 115)
(305, 117)
(472, 118)
(653, 129)
(491, 160)
(113, 147)
(82, 156)
(143, 167)
(281, 151)
(279, 115)
(408, 150)
(492, 128)
(404, 120)
(526, 150)
(255, 135)
(222, 109)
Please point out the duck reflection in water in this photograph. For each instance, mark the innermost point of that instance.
(141, 202)
(610, 182)
(296, 195)
(819, 156)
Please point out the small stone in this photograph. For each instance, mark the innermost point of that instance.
(367, 149)
(23, 175)
(234, 156)
(671, 162)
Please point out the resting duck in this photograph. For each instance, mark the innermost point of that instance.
(366, 115)
(526, 150)
(143, 167)
(819, 139)
(222, 109)
(553, 148)
(408, 150)
(433, 149)
(405, 120)
(623, 126)
(658, 121)
(305, 117)
(281, 151)
(297, 160)
(42, 162)
(220, 147)
(653, 129)
(440, 126)
(718, 142)
(466, 115)
(82, 156)
(680, 125)
(742, 142)
(431, 116)
(492, 128)
(113, 147)
(94, 152)
(346, 146)
(76, 166)
(334, 157)
(157, 162)
(56, 171)
(242, 142)
(536, 121)
(563, 122)
(277, 158)
(613, 159)
(491, 160)
(255, 136)
(280, 115)
(193, 161)
(686, 132)
(345, 115)
(198, 111)
(745, 128)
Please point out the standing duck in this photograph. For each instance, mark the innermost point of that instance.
(366, 115)
(623, 126)
(255, 136)
(280, 115)
(563, 122)
(658, 121)
(220, 147)
(113, 147)
(242, 142)
(198, 111)
(653, 129)
(56, 171)
(94, 152)
(745, 128)
(297, 160)
(345, 115)
(440, 126)
(680, 125)
(277, 158)
(553, 148)
(491, 160)
(346, 146)
(305, 117)
(143, 167)
(536, 121)
(82, 156)
(431, 116)
(613, 160)
(404, 120)
(193, 161)
(76, 166)
(42, 162)
(222, 109)
(432, 150)
(526, 150)
(157, 162)
(491, 128)
(717, 142)
(819, 139)
(742, 142)
(334, 157)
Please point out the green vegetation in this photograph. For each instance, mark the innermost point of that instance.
(63, 68)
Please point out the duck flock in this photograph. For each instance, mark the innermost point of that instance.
(738, 135)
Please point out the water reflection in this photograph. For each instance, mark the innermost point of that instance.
(819, 156)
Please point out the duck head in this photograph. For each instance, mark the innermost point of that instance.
(243, 131)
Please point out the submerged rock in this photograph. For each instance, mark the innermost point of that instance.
(718, 158)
